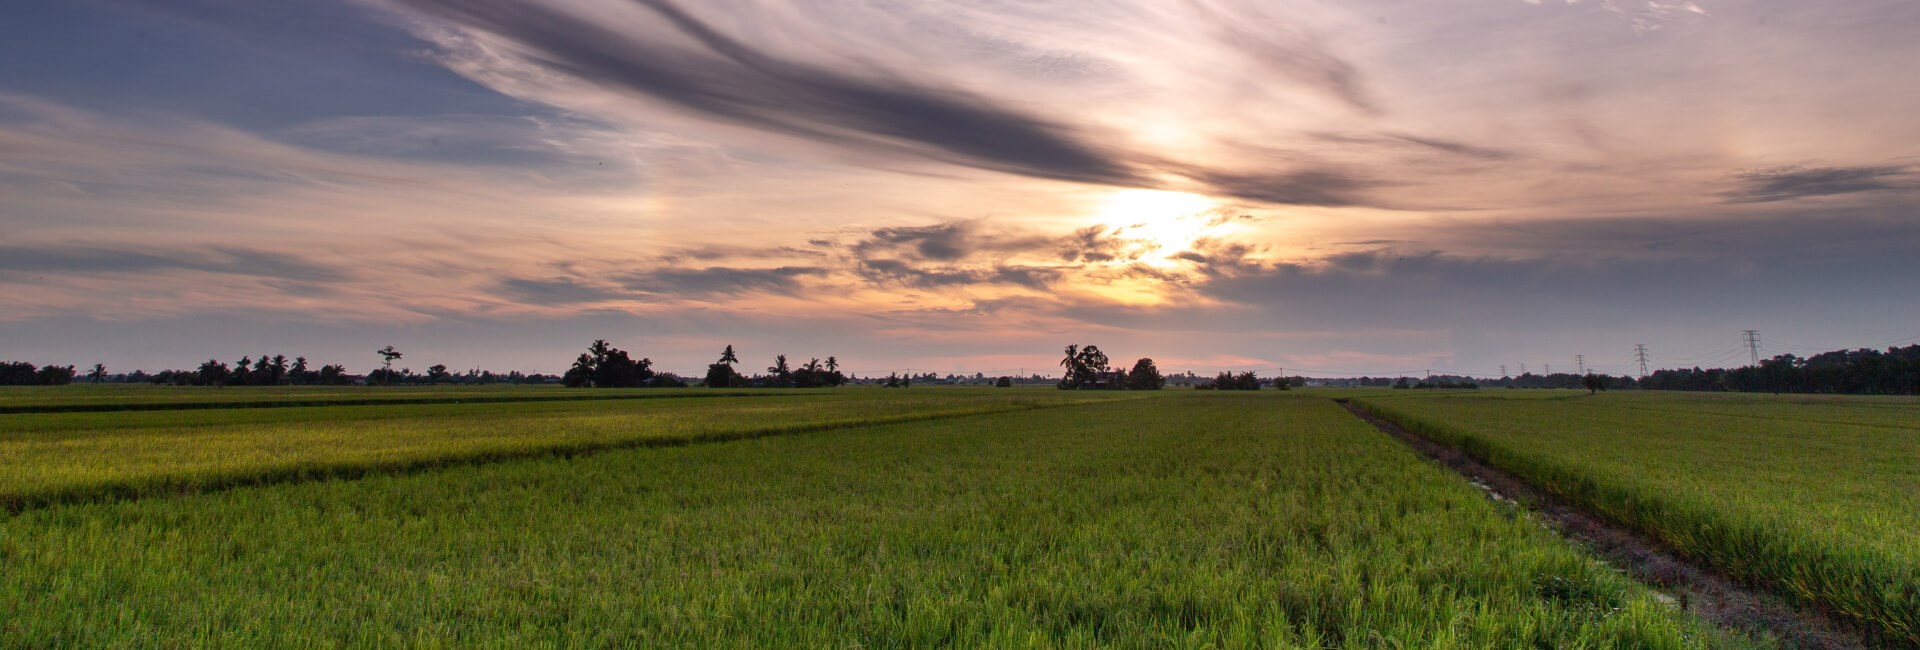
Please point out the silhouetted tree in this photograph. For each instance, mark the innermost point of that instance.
(98, 374)
(1145, 376)
(622, 371)
(213, 373)
(437, 373)
(580, 375)
(1231, 381)
(605, 366)
(1084, 365)
(51, 375)
(387, 356)
(17, 373)
(332, 374)
(780, 372)
(720, 375)
(811, 375)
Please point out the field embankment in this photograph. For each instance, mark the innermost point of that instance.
(1189, 520)
(1817, 500)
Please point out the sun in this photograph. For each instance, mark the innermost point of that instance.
(1160, 222)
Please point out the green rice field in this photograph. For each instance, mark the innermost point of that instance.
(54, 457)
(125, 397)
(856, 518)
(1815, 497)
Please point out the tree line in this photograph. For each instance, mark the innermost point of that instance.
(1242, 381)
(21, 373)
(1865, 371)
(605, 366)
(1894, 371)
(264, 370)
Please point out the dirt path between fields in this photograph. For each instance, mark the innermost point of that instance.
(1693, 587)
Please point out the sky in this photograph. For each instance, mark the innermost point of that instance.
(1325, 188)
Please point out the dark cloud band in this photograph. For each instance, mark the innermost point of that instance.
(1788, 183)
(721, 77)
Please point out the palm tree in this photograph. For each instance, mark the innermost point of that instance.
(1072, 366)
(727, 356)
(833, 376)
(98, 374)
(780, 370)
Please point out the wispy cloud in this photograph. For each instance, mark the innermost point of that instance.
(1288, 52)
(559, 291)
(1327, 187)
(1795, 182)
(94, 259)
(718, 281)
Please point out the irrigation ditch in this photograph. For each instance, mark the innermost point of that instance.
(1693, 587)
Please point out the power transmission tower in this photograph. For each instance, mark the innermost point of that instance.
(1523, 368)
(1753, 346)
(1549, 370)
(1640, 352)
(1580, 364)
(1503, 370)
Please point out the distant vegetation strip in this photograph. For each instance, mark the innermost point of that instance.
(1820, 513)
(72, 465)
(360, 397)
(1195, 520)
